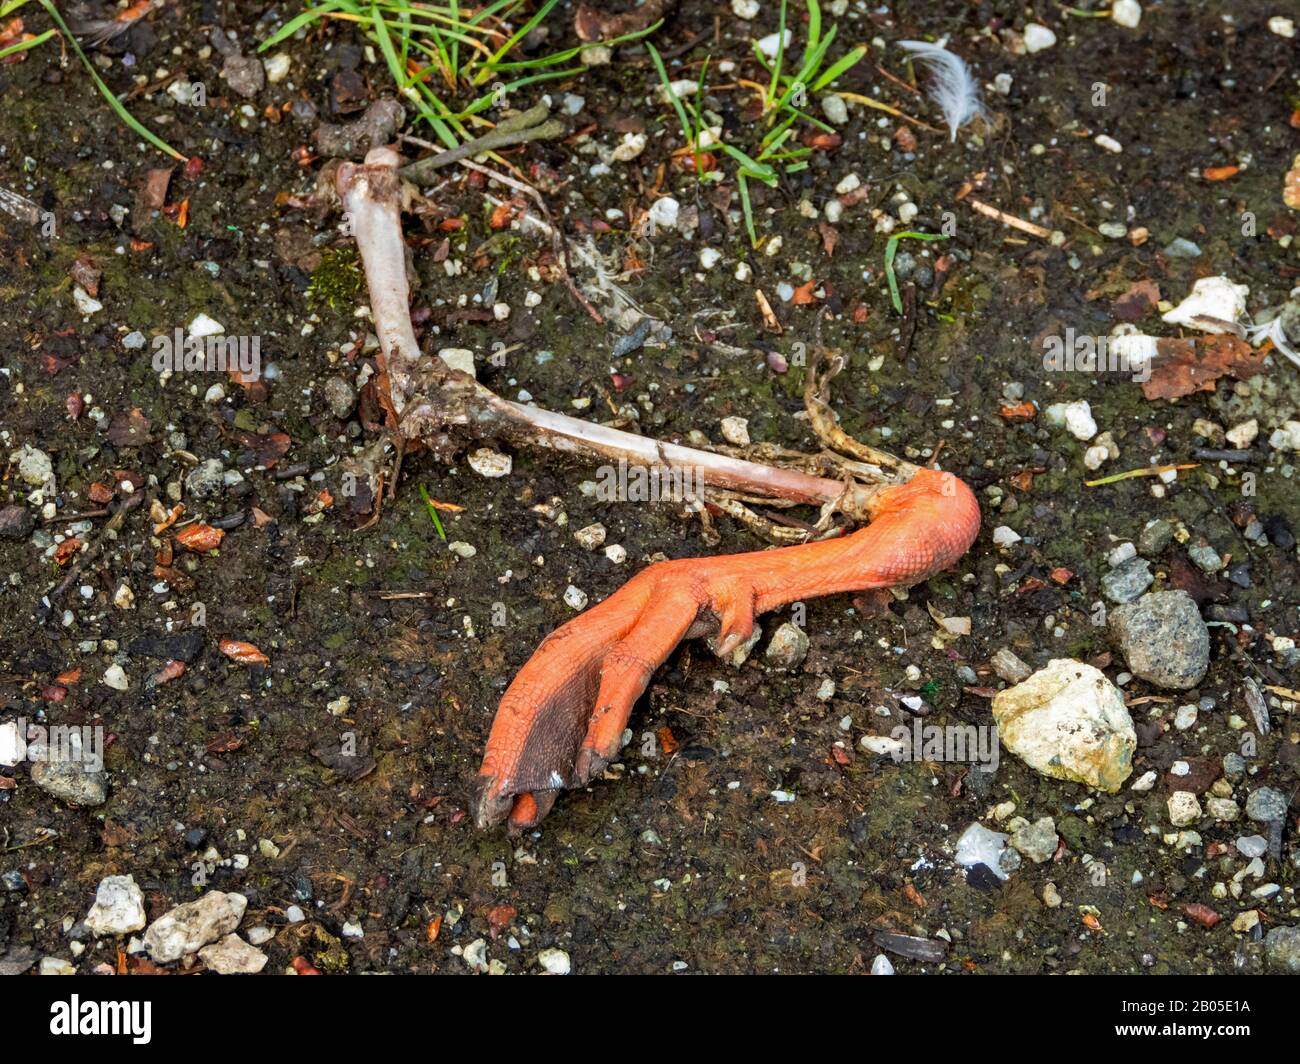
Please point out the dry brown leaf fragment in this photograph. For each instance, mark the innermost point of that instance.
(1184, 366)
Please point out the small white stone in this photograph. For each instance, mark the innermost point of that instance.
(772, 42)
(1128, 13)
(1185, 717)
(86, 303)
(1068, 721)
(575, 598)
(1005, 536)
(277, 67)
(710, 257)
(1093, 457)
(1283, 27)
(34, 466)
(663, 212)
(616, 553)
(907, 211)
(746, 9)
(881, 965)
(555, 961)
(118, 908)
(1184, 809)
(489, 463)
(735, 430)
(1075, 417)
(124, 597)
(848, 184)
(462, 549)
(881, 744)
(1103, 140)
(202, 326)
(681, 88)
(460, 358)
(215, 394)
(633, 144)
(835, 109)
(233, 956)
(115, 677)
(980, 846)
(1038, 38)
(591, 537)
(1224, 810)
(1243, 435)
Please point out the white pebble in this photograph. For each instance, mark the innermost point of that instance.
(735, 430)
(1038, 38)
(1127, 13)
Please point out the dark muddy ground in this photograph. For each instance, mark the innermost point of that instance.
(228, 776)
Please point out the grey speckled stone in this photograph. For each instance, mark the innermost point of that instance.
(1127, 580)
(71, 782)
(1163, 639)
(1282, 946)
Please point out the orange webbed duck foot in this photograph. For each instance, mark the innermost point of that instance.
(561, 721)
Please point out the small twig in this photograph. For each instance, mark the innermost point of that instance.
(1008, 219)
(76, 517)
(527, 126)
(390, 596)
(1208, 455)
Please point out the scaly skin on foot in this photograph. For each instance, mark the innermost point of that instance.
(562, 719)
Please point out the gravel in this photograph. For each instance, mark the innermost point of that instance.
(1282, 948)
(206, 479)
(1163, 639)
(1036, 841)
(1126, 582)
(788, 648)
(1266, 805)
(71, 782)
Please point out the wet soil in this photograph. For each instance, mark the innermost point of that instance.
(686, 861)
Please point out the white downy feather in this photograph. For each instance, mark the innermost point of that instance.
(1272, 330)
(952, 86)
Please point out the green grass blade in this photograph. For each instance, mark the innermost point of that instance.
(433, 513)
(515, 38)
(299, 21)
(677, 104)
(747, 208)
(22, 46)
(757, 170)
(891, 249)
(780, 55)
(814, 31)
(840, 66)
